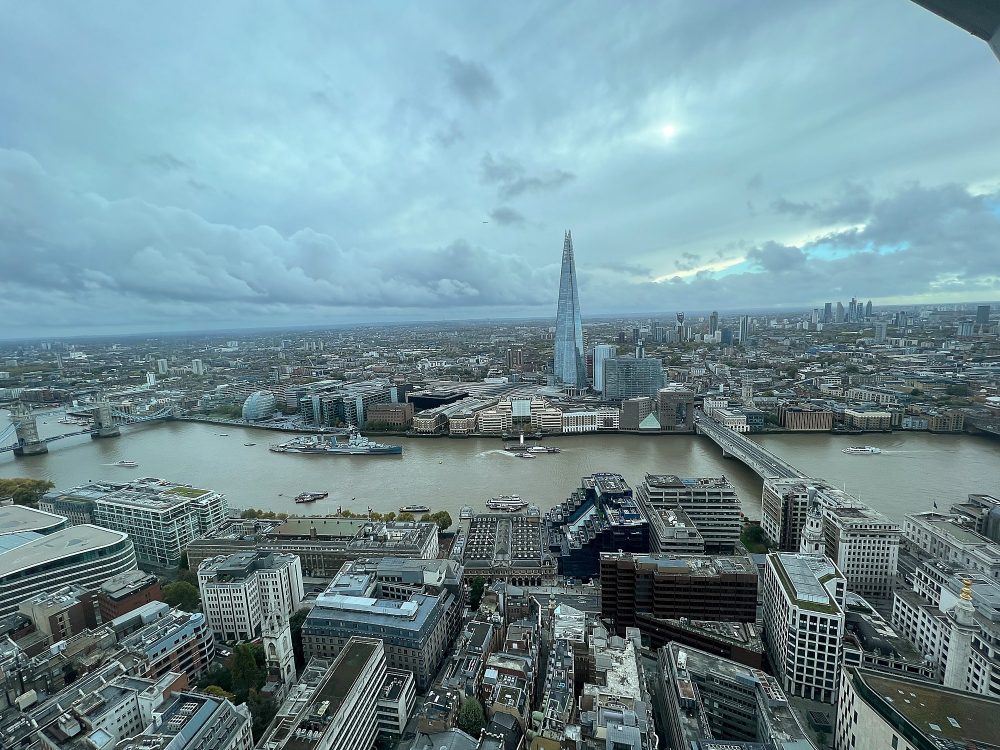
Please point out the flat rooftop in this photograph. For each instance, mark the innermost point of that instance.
(696, 565)
(803, 578)
(65, 543)
(19, 518)
(937, 711)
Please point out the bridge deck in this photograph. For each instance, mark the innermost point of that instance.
(739, 446)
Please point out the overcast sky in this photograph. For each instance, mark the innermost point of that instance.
(196, 165)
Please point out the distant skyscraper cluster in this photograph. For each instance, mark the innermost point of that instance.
(569, 363)
(856, 312)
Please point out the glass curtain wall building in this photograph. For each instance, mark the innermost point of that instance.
(569, 365)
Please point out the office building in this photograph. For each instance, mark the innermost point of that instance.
(828, 312)
(195, 721)
(166, 640)
(738, 641)
(944, 536)
(511, 547)
(259, 405)
(675, 408)
(102, 714)
(83, 555)
(569, 367)
(61, 613)
(417, 627)
(711, 503)
(238, 591)
(601, 516)
(615, 707)
(16, 520)
(714, 702)
(852, 531)
(713, 323)
(323, 543)
(197, 367)
(871, 642)
(390, 416)
(638, 590)
(672, 532)
(161, 367)
(160, 517)
(334, 706)
(396, 700)
(839, 316)
(875, 709)
(952, 616)
(746, 327)
(602, 353)
(628, 377)
(123, 593)
(981, 513)
(803, 600)
(982, 316)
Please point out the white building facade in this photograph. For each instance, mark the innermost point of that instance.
(803, 612)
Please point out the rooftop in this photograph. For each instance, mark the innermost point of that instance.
(65, 543)
(20, 518)
(934, 710)
(803, 578)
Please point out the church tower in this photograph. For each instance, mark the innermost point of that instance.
(278, 653)
(812, 532)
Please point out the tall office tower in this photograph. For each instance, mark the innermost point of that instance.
(868, 309)
(852, 310)
(640, 350)
(982, 316)
(602, 352)
(839, 318)
(828, 312)
(880, 331)
(744, 329)
(815, 316)
(569, 366)
(713, 322)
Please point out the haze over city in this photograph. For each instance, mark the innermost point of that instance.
(184, 167)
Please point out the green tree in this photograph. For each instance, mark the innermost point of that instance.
(219, 676)
(295, 625)
(218, 692)
(471, 717)
(262, 709)
(247, 675)
(23, 490)
(184, 565)
(957, 390)
(181, 594)
(406, 517)
(188, 576)
(476, 592)
(443, 519)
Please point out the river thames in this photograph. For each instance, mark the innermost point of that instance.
(913, 471)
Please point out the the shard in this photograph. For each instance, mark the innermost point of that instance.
(569, 363)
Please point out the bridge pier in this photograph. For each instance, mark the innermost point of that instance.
(104, 422)
(26, 428)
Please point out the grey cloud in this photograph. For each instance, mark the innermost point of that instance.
(853, 204)
(507, 216)
(470, 80)
(512, 178)
(775, 258)
(166, 162)
(687, 261)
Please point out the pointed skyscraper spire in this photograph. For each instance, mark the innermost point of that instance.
(569, 365)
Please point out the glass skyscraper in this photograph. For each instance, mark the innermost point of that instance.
(569, 364)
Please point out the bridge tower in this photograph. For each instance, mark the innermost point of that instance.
(26, 427)
(104, 421)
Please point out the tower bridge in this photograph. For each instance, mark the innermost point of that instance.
(23, 427)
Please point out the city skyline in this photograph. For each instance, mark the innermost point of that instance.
(152, 190)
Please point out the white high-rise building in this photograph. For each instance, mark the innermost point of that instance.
(238, 590)
(803, 610)
(344, 691)
(197, 367)
(162, 367)
(862, 542)
(160, 517)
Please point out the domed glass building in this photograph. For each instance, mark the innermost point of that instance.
(259, 405)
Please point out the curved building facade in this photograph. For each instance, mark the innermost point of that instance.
(84, 555)
(259, 405)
